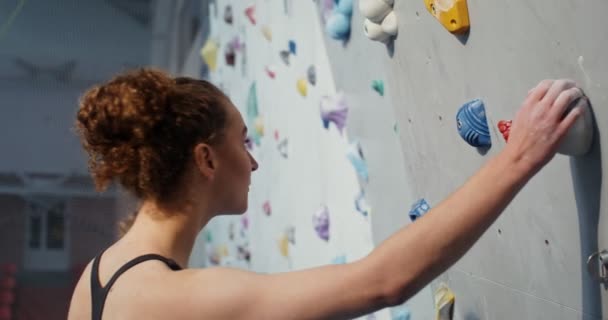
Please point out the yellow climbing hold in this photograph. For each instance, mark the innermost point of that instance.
(302, 86)
(452, 14)
(209, 53)
(259, 126)
(444, 303)
(284, 245)
(267, 33)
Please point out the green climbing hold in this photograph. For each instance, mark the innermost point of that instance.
(378, 85)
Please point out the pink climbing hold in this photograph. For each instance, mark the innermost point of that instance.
(250, 13)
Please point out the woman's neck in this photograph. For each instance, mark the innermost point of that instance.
(170, 233)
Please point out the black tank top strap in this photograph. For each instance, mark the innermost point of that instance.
(99, 293)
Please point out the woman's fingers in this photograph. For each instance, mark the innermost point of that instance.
(563, 101)
(556, 89)
(568, 121)
(538, 92)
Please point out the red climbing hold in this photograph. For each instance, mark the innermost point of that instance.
(504, 126)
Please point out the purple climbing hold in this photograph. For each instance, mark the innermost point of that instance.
(320, 222)
(419, 208)
(334, 109)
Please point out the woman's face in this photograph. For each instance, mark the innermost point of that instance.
(235, 164)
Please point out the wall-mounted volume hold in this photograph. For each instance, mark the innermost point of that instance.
(334, 110)
(228, 16)
(250, 13)
(444, 303)
(320, 221)
(419, 208)
(311, 74)
(452, 14)
(354, 153)
(472, 124)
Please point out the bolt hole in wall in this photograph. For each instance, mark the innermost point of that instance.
(499, 231)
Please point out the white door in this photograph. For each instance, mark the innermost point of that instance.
(46, 241)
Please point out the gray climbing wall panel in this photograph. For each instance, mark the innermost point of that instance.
(531, 264)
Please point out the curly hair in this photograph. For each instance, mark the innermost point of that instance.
(140, 129)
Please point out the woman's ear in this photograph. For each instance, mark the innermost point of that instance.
(205, 159)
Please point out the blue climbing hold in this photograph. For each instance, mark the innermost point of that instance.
(472, 124)
(338, 23)
(419, 208)
(344, 7)
(402, 313)
(292, 47)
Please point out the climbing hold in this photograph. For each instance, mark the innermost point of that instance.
(270, 72)
(259, 127)
(230, 56)
(505, 127)
(245, 221)
(292, 47)
(209, 236)
(266, 208)
(378, 85)
(302, 87)
(419, 208)
(396, 128)
(291, 234)
(354, 153)
(389, 24)
(276, 135)
(282, 147)
(472, 124)
(231, 231)
(338, 23)
(236, 44)
(452, 14)
(344, 7)
(402, 313)
(312, 75)
(253, 113)
(334, 109)
(375, 10)
(579, 138)
(284, 245)
(444, 303)
(243, 252)
(209, 53)
(338, 26)
(228, 14)
(341, 259)
(250, 13)
(284, 54)
(361, 205)
(320, 222)
(267, 33)
(374, 31)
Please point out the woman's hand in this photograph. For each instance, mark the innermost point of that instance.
(541, 123)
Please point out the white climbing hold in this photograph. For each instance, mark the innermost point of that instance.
(374, 31)
(389, 24)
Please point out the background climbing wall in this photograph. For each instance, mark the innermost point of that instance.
(531, 262)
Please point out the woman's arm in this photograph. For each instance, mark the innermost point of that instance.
(412, 257)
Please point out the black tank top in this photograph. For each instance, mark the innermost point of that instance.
(99, 293)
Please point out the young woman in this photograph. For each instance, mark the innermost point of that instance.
(178, 144)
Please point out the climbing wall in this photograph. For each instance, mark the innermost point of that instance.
(400, 142)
